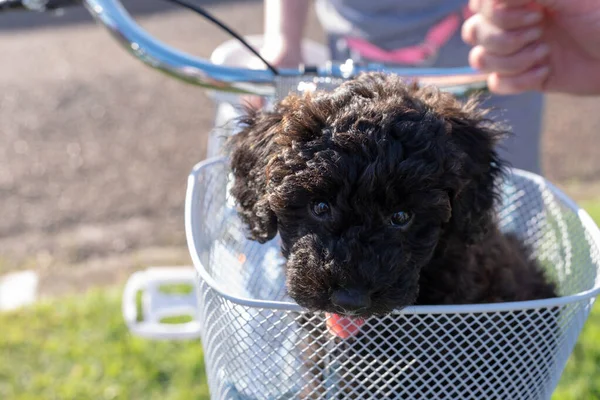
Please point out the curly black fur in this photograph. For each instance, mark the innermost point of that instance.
(373, 147)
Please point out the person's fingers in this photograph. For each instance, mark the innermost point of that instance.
(477, 31)
(524, 59)
(469, 30)
(512, 18)
(509, 17)
(477, 5)
(533, 79)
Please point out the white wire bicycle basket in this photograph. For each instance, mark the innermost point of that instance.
(260, 345)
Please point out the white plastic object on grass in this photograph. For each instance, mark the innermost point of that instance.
(18, 289)
(157, 304)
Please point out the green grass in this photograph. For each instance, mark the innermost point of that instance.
(581, 377)
(79, 348)
(593, 208)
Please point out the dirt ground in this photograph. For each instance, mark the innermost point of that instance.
(96, 147)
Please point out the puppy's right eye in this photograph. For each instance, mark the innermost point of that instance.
(401, 219)
(321, 209)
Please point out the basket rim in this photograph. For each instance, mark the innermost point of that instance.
(586, 221)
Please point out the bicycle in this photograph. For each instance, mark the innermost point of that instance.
(240, 310)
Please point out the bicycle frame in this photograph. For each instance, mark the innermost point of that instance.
(198, 71)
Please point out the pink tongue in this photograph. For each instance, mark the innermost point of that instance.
(343, 327)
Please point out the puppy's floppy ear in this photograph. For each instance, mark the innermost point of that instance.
(476, 188)
(250, 151)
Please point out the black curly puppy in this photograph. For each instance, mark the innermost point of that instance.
(383, 195)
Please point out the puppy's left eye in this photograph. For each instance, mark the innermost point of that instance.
(321, 209)
(401, 219)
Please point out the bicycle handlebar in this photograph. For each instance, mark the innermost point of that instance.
(158, 55)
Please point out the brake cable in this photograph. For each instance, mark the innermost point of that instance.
(204, 13)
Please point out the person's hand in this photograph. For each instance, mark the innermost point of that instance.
(547, 45)
(279, 54)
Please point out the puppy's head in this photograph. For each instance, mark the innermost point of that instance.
(364, 185)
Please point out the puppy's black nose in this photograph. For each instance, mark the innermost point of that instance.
(351, 300)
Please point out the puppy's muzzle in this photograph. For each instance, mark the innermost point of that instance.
(351, 301)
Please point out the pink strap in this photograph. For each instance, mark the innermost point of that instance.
(434, 40)
(407, 55)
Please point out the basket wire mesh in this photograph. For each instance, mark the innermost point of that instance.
(260, 345)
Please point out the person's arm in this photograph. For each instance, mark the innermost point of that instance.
(283, 31)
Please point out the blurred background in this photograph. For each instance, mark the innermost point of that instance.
(95, 150)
